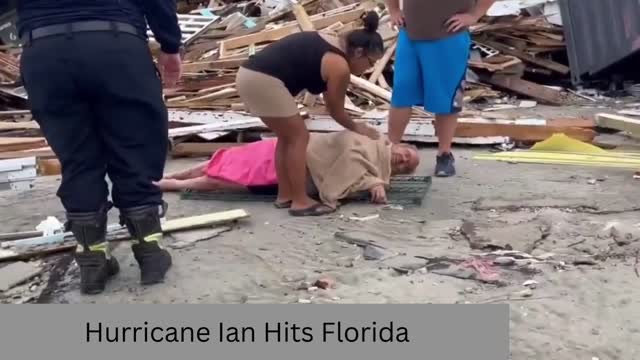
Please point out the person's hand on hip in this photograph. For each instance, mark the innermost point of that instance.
(461, 21)
(397, 18)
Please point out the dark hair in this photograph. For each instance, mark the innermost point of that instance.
(368, 37)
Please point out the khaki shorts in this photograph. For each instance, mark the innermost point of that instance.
(265, 95)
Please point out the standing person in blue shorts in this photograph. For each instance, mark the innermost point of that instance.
(431, 63)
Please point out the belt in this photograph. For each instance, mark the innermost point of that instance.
(75, 27)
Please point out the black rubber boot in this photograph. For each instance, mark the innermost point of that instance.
(92, 254)
(144, 226)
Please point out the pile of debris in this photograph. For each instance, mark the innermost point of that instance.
(518, 52)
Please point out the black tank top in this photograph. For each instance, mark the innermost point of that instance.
(296, 60)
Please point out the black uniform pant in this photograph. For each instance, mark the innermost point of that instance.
(98, 100)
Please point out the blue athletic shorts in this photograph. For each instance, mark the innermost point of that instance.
(430, 73)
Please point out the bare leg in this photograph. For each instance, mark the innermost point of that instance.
(191, 173)
(201, 183)
(398, 121)
(284, 185)
(293, 138)
(445, 130)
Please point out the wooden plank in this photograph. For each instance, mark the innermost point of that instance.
(222, 94)
(199, 149)
(522, 132)
(301, 16)
(199, 221)
(547, 64)
(319, 21)
(213, 65)
(572, 122)
(617, 122)
(527, 88)
(24, 143)
(24, 125)
(45, 152)
(371, 88)
(382, 63)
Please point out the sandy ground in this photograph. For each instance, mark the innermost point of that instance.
(575, 311)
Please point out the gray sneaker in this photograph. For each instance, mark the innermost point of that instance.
(445, 165)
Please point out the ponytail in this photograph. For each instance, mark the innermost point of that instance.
(366, 38)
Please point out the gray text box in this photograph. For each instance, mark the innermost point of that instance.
(184, 332)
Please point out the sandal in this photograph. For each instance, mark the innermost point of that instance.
(283, 205)
(318, 209)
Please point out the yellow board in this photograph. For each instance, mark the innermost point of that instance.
(562, 150)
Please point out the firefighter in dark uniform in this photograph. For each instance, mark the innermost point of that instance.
(97, 95)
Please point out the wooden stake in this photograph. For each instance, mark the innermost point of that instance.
(371, 88)
(382, 63)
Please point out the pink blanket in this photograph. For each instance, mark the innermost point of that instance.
(249, 165)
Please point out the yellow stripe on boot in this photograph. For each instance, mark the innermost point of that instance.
(156, 237)
(102, 247)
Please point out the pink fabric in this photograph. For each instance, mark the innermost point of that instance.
(249, 165)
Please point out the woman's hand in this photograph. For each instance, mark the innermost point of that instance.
(378, 194)
(366, 130)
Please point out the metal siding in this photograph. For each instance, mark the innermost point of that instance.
(599, 33)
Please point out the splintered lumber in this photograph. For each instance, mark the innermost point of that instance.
(222, 94)
(305, 25)
(621, 123)
(527, 88)
(319, 21)
(216, 125)
(371, 88)
(382, 63)
(493, 66)
(212, 65)
(200, 149)
(301, 16)
(545, 63)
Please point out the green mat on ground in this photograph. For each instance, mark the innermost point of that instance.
(404, 190)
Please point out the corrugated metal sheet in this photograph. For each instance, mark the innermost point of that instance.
(599, 33)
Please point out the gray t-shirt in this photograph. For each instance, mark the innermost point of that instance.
(425, 19)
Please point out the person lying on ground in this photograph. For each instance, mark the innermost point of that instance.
(319, 63)
(339, 165)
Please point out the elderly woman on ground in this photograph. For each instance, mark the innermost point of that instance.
(338, 165)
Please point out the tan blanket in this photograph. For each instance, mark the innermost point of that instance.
(344, 162)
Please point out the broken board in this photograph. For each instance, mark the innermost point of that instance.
(622, 123)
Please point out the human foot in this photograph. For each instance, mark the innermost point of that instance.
(316, 209)
(282, 204)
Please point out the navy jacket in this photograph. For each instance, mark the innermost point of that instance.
(160, 14)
